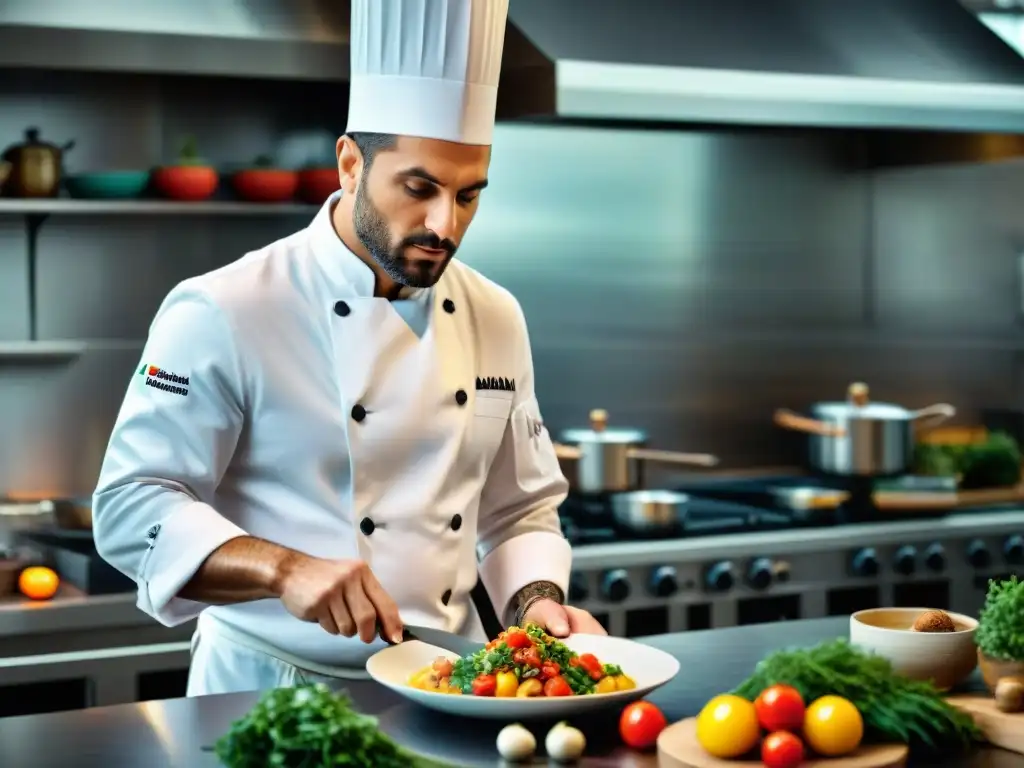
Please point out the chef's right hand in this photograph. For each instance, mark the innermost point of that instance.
(342, 596)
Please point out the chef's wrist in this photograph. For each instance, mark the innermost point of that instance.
(281, 565)
(533, 593)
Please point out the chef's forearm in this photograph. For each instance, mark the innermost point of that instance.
(239, 571)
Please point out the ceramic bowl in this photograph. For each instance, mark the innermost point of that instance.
(945, 658)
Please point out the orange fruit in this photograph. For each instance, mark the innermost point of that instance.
(38, 582)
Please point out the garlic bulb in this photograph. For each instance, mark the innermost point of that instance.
(515, 743)
(565, 743)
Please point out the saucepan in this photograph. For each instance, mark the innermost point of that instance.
(610, 460)
(859, 438)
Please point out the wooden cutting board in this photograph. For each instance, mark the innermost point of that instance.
(678, 748)
(1001, 729)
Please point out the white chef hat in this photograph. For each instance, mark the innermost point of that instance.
(426, 68)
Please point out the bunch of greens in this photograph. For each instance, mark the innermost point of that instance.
(310, 727)
(992, 464)
(1000, 632)
(894, 708)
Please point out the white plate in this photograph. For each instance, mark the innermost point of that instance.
(649, 667)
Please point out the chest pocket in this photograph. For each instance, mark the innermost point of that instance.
(491, 411)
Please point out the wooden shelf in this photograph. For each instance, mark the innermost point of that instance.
(58, 350)
(70, 207)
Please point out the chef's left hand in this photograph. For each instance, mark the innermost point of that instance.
(563, 620)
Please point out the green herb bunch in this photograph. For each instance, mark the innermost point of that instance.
(189, 153)
(894, 708)
(1000, 632)
(310, 727)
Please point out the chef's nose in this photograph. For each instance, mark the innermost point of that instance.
(442, 218)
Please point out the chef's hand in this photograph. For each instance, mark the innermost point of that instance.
(342, 596)
(563, 620)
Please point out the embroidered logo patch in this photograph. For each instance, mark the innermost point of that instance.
(164, 380)
(496, 383)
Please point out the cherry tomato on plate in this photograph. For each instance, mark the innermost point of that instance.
(780, 708)
(549, 670)
(557, 686)
(518, 640)
(592, 666)
(640, 724)
(485, 685)
(782, 749)
(528, 657)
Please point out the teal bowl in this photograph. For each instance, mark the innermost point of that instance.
(107, 185)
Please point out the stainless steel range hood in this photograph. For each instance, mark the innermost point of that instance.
(907, 64)
(917, 64)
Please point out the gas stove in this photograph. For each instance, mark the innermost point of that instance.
(767, 549)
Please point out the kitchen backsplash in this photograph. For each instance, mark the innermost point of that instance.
(688, 282)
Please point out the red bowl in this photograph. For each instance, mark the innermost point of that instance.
(190, 183)
(318, 184)
(259, 185)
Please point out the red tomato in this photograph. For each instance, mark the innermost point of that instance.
(528, 657)
(782, 750)
(485, 685)
(557, 686)
(780, 708)
(550, 669)
(518, 640)
(592, 666)
(640, 724)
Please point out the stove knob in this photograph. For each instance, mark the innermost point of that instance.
(978, 554)
(615, 585)
(1013, 550)
(578, 591)
(935, 558)
(664, 582)
(720, 577)
(761, 573)
(865, 562)
(905, 562)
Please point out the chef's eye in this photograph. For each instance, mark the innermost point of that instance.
(468, 199)
(420, 192)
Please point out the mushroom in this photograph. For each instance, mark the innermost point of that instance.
(934, 621)
(1010, 694)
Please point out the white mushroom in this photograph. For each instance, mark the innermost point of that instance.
(565, 744)
(515, 743)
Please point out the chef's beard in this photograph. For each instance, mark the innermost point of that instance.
(372, 231)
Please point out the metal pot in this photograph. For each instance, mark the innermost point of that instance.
(35, 166)
(649, 512)
(858, 438)
(610, 460)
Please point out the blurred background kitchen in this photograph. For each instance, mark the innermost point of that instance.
(709, 210)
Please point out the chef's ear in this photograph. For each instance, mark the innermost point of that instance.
(350, 164)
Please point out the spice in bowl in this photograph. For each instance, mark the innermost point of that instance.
(934, 621)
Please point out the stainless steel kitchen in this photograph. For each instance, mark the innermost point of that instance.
(771, 256)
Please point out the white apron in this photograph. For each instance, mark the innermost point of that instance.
(277, 397)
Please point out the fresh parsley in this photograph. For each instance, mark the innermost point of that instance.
(311, 727)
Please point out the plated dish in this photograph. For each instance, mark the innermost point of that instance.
(523, 663)
(413, 670)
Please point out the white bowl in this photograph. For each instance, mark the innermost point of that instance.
(945, 658)
(649, 667)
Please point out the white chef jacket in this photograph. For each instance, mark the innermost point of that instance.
(277, 397)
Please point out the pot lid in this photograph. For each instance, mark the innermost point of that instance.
(858, 406)
(32, 141)
(600, 433)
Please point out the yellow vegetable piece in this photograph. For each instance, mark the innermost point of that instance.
(606, 684)
(507, 683)
(624, 683)
(727, 727)
(833, 726)
(529, 688)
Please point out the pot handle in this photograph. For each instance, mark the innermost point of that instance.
(673, 457)
(933, 415)
(789, 420)
(567, 452)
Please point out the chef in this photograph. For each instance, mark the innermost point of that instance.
(333, 436)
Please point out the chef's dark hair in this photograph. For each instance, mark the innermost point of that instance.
(371, 143)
